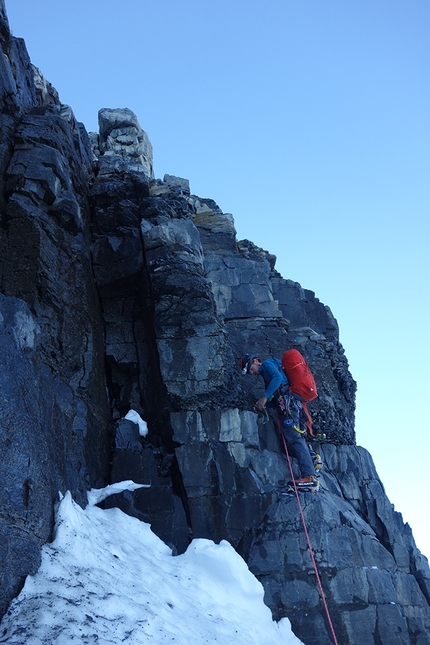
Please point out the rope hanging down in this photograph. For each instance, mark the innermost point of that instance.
(309, 543)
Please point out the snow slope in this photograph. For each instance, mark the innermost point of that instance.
(107, 579)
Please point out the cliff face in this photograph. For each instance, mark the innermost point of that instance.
(122, 291)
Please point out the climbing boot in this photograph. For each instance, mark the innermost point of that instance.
(309, 483)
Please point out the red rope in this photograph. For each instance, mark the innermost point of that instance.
(309, 543)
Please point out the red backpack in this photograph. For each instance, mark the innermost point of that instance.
(301, 380)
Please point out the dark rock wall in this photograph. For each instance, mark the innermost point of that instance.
(119, 291)
(53, 413)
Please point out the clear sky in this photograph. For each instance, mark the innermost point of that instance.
(308, 120)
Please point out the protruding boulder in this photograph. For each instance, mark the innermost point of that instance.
(121, 134)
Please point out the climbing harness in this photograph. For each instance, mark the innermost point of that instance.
(305, 528)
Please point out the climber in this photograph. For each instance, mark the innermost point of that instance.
(288, 412)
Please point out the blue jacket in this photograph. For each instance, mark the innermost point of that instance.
(273, 375)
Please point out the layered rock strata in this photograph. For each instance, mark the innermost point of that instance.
(120, 291)
(54, 414)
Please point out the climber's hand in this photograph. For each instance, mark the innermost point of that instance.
(261, 403)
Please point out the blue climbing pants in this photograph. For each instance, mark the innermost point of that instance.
(297, 447)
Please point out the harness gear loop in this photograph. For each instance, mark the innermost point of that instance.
(299, 430)
(305, 528)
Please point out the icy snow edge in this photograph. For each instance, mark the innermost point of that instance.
(107, 577)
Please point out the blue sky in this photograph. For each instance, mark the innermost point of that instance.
(308, 120)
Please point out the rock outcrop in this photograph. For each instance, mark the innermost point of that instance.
(120, 291)
(54, 414)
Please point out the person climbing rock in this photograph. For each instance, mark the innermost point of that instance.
(288, 409)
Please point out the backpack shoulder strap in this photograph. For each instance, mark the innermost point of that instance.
(309, 418)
